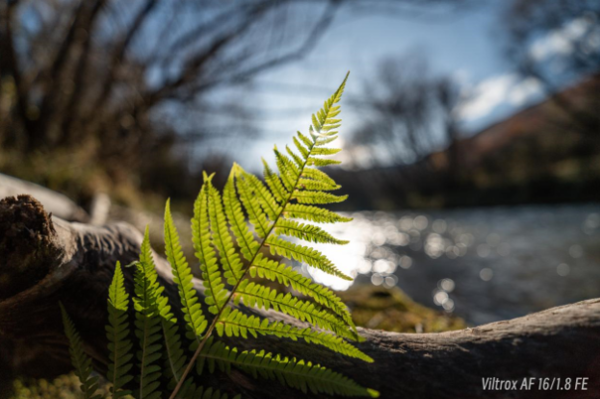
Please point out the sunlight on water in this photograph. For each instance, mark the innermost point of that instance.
(351, 258)
(485, 264)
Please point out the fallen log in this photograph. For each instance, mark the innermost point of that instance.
(44, 260)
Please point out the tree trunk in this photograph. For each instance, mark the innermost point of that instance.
(44, 260)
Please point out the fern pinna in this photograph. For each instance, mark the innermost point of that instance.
(231, 231)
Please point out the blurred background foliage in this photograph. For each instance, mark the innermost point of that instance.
(136, 98)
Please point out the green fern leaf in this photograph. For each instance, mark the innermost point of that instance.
(307, 142)
(271, 207)
(235, 324)
(318, 197)
(324, 151)
(318, 175)
(279, 191)
(233, 209)
(301, 148)
(299, 161)
(291, 372)
(254, 294)
(174, 357)
(216, 295)
(288, 170)
(230, 260)
(314, 214)
(182, 276)
(304, 254)
(117, 331)
(306, 232)
(322, 162)
(148, 322)
(324, 121)
(284, 274)
(314, 185)
(81, 362)
(217, 225)
(325, 141)
(255, 214)
(262, 194)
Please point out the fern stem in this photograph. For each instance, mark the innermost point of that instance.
(235, 287)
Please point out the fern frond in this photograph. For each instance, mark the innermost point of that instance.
(255, 214)
(117, 331)
(182, 276)
(306, 232)
(307, 142)
(325, 141)
(324, 151)
(270, 208)
(299, 161)
(262, 194)
(322, 162)
(174, 357)
(301, 148)
(256, 295)
(291, 372)
(148, 322)
(318, 197)
(314, 214)
(216, 295)
(314, 185)
(288, 170)
(323, 120)
(279, 191)
(233, 209)
(230, 259)
(318, 175)
(81, 362)
(235, 324)
(301, 253)
(284, 274)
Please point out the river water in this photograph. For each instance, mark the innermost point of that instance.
(483, 264)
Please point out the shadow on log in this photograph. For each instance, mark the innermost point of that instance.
(44, 260)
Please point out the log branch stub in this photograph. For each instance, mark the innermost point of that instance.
(26, 246)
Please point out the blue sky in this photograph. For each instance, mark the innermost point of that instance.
(462, 45)
(466, 46)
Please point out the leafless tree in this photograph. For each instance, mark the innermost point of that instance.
(132, 81)
(557, 42)
(118, 76)
(409, 112)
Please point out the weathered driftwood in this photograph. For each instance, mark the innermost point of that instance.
(45, 260)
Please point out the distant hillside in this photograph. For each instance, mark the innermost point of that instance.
(549, 152)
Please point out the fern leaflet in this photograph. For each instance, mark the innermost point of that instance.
(182, 276)
(117, 331)
(292, 372)
(148, 322)
(81, 362)
(215, 289)
(236, 323)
